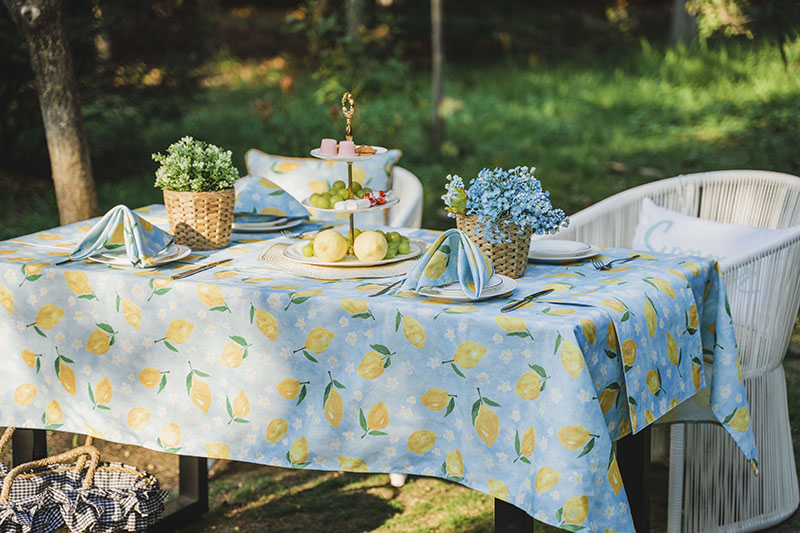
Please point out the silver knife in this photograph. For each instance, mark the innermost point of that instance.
(517, 303)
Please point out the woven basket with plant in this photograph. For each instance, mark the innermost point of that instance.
(499, 211)
(197, 179)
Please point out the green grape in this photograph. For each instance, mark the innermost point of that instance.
(393, 237)
(315, 196)
(308, 250)
(338, 184)
(356, 186)
(360, 194)
(326, 194)
(390, 253)
(404, 247)
(323, 203)
(356, 232)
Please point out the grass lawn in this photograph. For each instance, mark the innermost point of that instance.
(592, 126)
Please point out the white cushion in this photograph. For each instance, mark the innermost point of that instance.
(664, 230)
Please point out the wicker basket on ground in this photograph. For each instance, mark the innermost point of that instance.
(201, 220)
(509, 258)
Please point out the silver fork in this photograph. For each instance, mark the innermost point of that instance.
(296, 235)
(387, 288)
(599, 265)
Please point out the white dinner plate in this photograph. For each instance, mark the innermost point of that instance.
(389, 203)
(455, 288)
(378, 151)
(550, 259)
(506, 285)
(558, 248)
(266, 227)
(295, 253)
(175, 252)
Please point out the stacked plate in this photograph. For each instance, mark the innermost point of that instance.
(174, 252)
(556, 251)
(497, 285)
(264, 223)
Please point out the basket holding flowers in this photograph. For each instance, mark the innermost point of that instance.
(500, 210)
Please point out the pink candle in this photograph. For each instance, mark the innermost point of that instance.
(328, 147)
(347, 149)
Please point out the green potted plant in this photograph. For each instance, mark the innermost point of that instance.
(197, 179)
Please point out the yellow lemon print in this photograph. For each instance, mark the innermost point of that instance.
(25, 394)
(694, 268)
(739, 368)
(6, 300)
(276, 430)
(510, 323)
(298, 451)
(371, 365)
(653, 381)
(421, 441)
(632, 415)
(435, 399)
(318, 339)
(354, 306)
(77, 282)
(629, 352)
(369, 287)
(267, 184)
(67, 378)
(48, 316)
(289, 388)
(52, 413)
(624, 427)
(29, 357)
(160, 283)
(741, 420)
(649, 417)
(546, 479)
(352, 464)
(455, 463)
(573, 437)
(49, 237)
(607, 398)
(378, 417)
(672, 350)
(118, 236)
(148, 227)
(334, 408)
(200, 393)
(414, 331)
(528, 386)
(694, 323)
(611, 338)
(614, 477)
(34, 268)
(697, 376)
(149, 377)
(469, 354)
(576, 510)
(179, 330)
(662, 285)
(498, 489)
(103, 392)
(673, 403)
(436, 266)
(210, 295)
(677, 273)
(285, 166)
(92, 431)
(614, 305)
(650, 316)
(571, 358)
(558, 287)
(528, 442)
(589, 330)
(487, 425)
(232, 355)
(266, 324)
(241, 404)
(131, 312)
(138, 417)
(99, 342)
(317, 186)
(170, 435)
(218, 450)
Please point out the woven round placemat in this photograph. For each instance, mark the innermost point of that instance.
(273, 256)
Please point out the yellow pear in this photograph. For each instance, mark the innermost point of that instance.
(614, 477)
(672, 349)
(48, 316)
(179, 330)
(150, 377)
(77, 282)
(436, 266)
(25, 394)
(611, 338)
(334, 408)
(546, 479)
(528, 386)
(67, 378)
(455, 463)
(629, 352)
(138, 417)
(330, 246)
(241, 404)
(318, 339)
(99, 342)
(650, 316)
(576, 510)
(571, 358)
(664, 286)
(421, 441)
(607, 399)
(528, 442)
(218, 450)
(352, 464)
(469, 354)
(378, 417)
(170, 435)
(498, 489)
(298, 451)
(653, 381)
(6, 300)
(29, 357)
(132, 313)
(266, 324)
(289, 388)
(371, 365)
(210, 295)
(414, 331)
(614, 305)
(573, 437)
(103, 392)
(354, 306)
(741, 420)
(589, 330)
(52, 412)
(232, 355)
(370, 246)
(200, 393)
(487, 425)
(697, 377)
(435, 399)
(276, 430)
(510, 323)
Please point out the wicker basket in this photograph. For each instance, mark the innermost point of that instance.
(201, 220)
(509, 258)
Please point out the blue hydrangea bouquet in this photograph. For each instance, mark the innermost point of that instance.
(500, 210)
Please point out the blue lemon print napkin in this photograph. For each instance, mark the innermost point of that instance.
(119, 229)
(259, 196)
(453, 257)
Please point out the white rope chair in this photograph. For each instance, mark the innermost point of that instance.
(711, 485)
(408, 212)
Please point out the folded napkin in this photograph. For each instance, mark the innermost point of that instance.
(260, 196)
(119, 228)
(452, 257)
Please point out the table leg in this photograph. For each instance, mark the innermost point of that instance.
(192, 500)
(633, 457)
(28, 445)
(511, 519)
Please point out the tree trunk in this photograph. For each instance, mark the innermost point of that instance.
(353, 19)
(42, 25)
(682, 25)
(436, 69)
